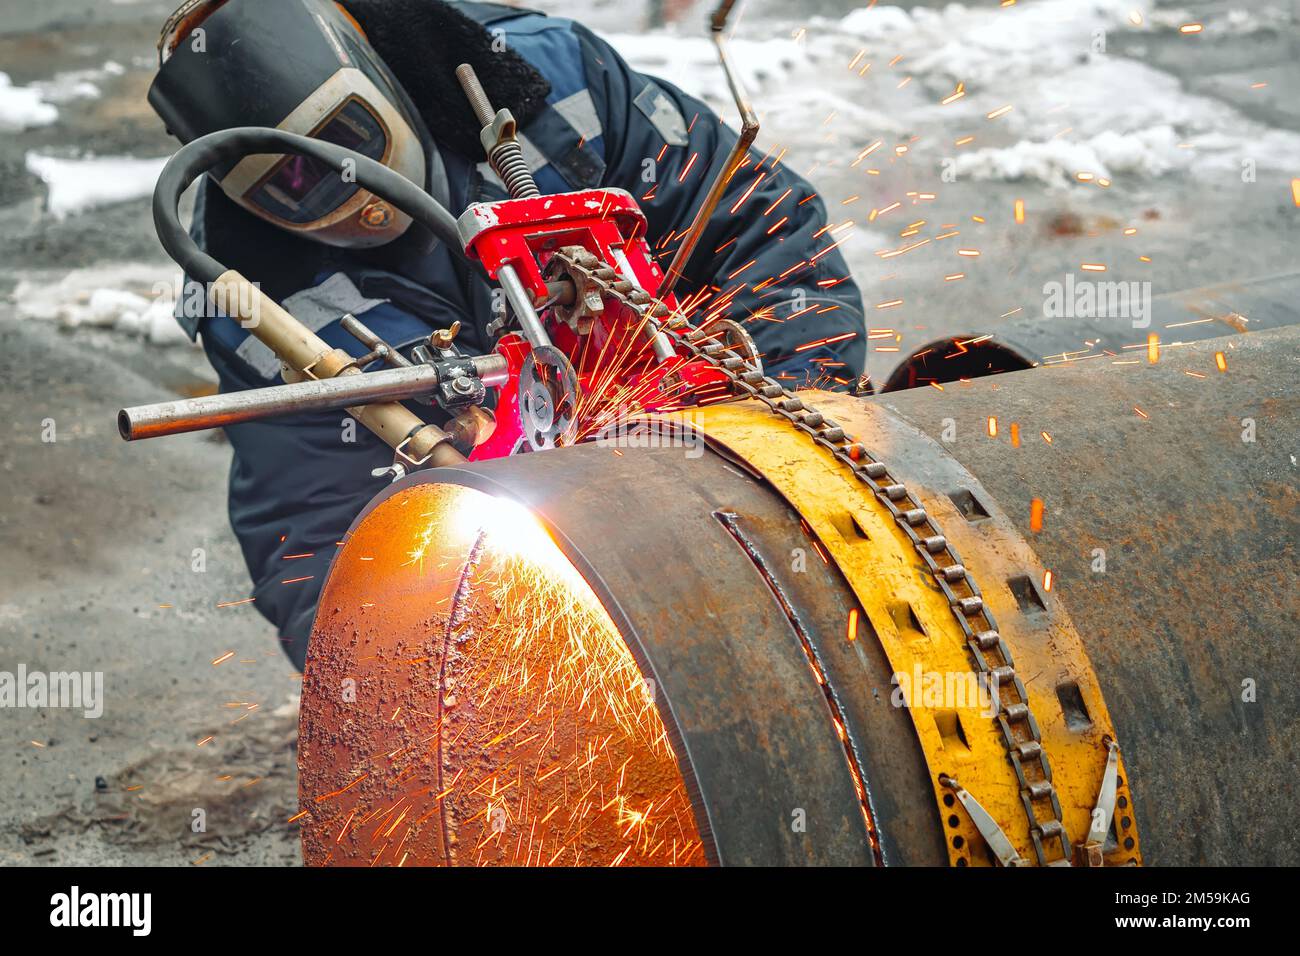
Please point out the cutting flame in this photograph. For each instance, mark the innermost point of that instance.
(543, 744)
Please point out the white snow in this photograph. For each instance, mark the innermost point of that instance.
(1075, 106)
(21, 107)
(690, 61)
(27, 107)
(1126, 118)
(1150, 152)
(133, 299)
(76, 185)
(1078, 106)
(877, 23)
(988, 44)
(1270, 149)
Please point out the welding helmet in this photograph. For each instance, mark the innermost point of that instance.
(298, 65)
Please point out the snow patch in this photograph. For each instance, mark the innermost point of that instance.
(1274, 149)
(132, 299)
(988, 47)
(76, 185)
(1149, 152)
(878, 23)
(1075, 106)
(21, 107)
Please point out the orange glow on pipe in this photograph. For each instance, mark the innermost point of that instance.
(499, 717)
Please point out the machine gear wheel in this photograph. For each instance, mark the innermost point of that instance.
(548, 399)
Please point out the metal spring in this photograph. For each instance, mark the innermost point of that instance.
(507, 159)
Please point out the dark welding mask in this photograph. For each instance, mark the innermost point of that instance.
(298, 65)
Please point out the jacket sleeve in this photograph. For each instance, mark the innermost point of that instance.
(767, 258)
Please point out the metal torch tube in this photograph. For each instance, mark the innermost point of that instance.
(492, 368)
(218, 411)
(522, 304)
(659, 342)
(748, 133)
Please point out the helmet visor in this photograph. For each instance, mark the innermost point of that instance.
(301, 190)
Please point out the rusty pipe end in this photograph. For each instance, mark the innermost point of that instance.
(125, 425)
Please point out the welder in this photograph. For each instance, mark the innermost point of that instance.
(378, 76)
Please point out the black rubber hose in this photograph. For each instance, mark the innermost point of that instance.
(228, 145)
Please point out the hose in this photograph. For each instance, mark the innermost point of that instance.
(230, 145)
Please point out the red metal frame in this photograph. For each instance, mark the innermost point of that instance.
(525, 233)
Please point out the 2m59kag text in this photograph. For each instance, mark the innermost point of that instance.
(1193, 897)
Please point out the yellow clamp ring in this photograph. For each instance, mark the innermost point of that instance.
(919, 632)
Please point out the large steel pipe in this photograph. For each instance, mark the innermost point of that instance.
(618, 655)
(725, 667)
(1101, 321)
(1171, 524)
